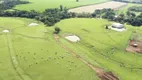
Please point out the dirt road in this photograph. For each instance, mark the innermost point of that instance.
(100, 72)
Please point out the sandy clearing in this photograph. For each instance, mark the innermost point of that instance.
(92, 8)
(33, 24)
(73, 38)
(5, 31)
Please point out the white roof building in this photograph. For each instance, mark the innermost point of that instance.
(117, 25)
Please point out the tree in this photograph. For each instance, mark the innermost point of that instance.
(135, 8)
(122, 15)
(8, 4)
(61, 8)
(77, 0)
(97, 11)
(140, 16)
(57, 30)
(128, 13)
(109, 15)
(94, 14)
(133, 14)
(106, 26)
(137, 22)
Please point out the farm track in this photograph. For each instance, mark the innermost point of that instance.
(15, 64)
(100, 72)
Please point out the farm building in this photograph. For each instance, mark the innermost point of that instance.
(117, 25)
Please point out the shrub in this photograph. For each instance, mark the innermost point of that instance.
(57, 30)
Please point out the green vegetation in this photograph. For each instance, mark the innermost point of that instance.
(41, 5)
(125, 9)
(57, 30)
(37, 53)
(41, 52)
(51, 16)
(130, 17)
(103, 48)
(8, 4)
(136, 8)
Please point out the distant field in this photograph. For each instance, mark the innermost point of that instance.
(92, 8)
(37, 53)
(41, 5)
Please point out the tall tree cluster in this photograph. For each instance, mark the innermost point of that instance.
(48, 17)
(8, 4)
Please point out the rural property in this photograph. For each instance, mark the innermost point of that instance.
(70, 40)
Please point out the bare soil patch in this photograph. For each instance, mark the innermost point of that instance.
(107, 76)
(91, 8)
(135, 46)
(101, 73)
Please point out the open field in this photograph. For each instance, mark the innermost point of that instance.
(84, 49)
(92, 8)
(34, 53)
(41, 5)
(103, 48)
(31, 53)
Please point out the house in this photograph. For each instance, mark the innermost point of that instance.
(117, 25)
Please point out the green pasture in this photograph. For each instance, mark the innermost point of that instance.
(41, 5)
(31, 53)
(103, 48)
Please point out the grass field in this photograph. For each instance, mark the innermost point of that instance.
(103, 48)
(41, 5)
(31, 53)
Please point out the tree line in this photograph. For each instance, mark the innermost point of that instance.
(51, 16)
(48, 17)
(8, 4)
